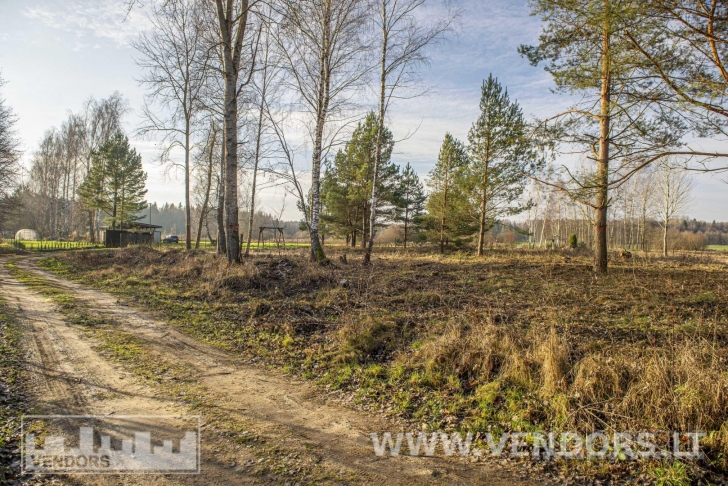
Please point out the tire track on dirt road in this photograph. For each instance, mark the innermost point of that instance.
(288, 410)
(68, 377)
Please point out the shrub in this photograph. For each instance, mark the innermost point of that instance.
(573, 242)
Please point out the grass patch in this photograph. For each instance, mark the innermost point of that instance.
(673, 474)
(13, 398)
(42, 245)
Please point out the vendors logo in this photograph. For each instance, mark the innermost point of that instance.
(133, 444)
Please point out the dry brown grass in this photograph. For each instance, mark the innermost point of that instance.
(598, 379)
(477, 352)
(553, 355)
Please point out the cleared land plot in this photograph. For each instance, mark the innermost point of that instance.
(517, 341)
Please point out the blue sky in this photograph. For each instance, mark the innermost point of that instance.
(54, 54)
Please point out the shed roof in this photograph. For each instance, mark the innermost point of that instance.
(135, 225)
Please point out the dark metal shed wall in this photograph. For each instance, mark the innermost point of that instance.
(122, 239)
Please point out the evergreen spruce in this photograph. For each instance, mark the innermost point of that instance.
(409, 201)
(347, 186)
(116, 183)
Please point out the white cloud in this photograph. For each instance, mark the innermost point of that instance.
(91, 19)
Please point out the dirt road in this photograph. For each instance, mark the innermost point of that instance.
(291, 434)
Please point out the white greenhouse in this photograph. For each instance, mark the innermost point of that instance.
(27, 235)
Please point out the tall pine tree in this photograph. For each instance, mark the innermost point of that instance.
(347, 186)
(449, 212)
(618, 123)
(500, 154)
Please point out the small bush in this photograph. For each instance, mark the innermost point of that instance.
(573, 242)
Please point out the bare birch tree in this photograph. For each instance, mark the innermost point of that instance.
(264, 85)
(673, 189)
(72, 136)
(45, 176)
(9, 148)
(323, 49)
(402, 43)
(206, 168)
(174, 56)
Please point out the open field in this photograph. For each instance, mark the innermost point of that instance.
(516, 341)
(718, 247)
(204, 244)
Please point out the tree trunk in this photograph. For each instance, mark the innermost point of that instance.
(364, 228)
(188, 215)
(113, 214)
(121, 215)
(232, 48)
(444, 209)
(210, 165)
(221, 246)
(92, 232)
(232, 228)
(251, 212)
(406, 216)
(380, 130)
(600, 219)
(323, 99)
(481, 233)
(317, 251)
(666, 222)
(483, 206)
(255, 164)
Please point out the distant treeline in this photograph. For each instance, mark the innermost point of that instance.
(684, 233)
